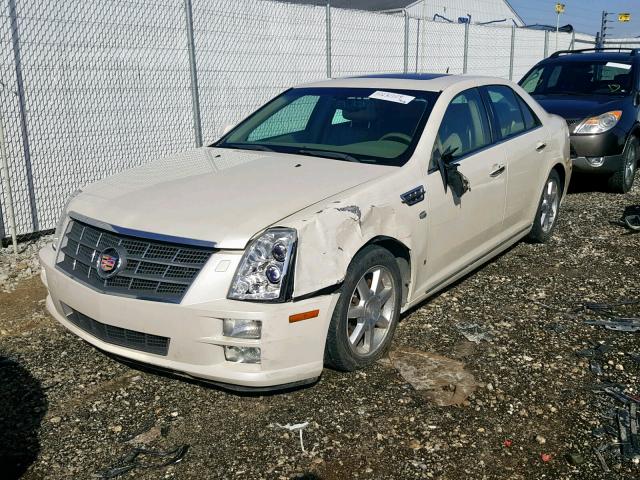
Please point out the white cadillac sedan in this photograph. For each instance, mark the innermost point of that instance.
(298, 239)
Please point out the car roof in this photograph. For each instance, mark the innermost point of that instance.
(625, 57)
(431, 82)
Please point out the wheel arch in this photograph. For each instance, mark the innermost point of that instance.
(402, 254)
(562, 173)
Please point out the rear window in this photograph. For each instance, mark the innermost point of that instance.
(583, 78)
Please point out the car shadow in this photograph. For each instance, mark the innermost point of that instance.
(23, 405)
(581, 183)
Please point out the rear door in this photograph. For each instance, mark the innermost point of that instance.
(521, 131)
(461, 230)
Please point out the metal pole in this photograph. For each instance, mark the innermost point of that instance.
(328, 39)
(6, 186)
(557, 28)
(15, 39)
(513, 44)
(406, 42)
(573, 40)
(195, 93)
(417, 44)
(466, 48)
(546, 43)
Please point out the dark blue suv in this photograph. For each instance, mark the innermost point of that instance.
(598, 93)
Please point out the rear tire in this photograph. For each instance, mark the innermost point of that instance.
(622, 180)
(367, 312)
(546, 218)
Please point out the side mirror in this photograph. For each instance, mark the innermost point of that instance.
(227, 128)
(636, 98)
(451, 177)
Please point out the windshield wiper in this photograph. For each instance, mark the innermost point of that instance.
(248, 146)
(329, 154)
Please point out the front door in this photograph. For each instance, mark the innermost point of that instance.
(461, 230)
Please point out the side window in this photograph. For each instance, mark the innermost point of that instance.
(464, 127)
(532, 81)
(507, 110)
(294, 117)
(531, 120)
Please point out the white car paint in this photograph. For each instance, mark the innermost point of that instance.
(228, 197)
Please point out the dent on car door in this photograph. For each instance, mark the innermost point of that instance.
(463, 229)
(525, 140)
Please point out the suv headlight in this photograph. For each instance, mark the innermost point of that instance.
(265, 268)
(57, 236)
(599, 123)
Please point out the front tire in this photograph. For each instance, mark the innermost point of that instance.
(548, 209)
(367, 312)
(622, 180)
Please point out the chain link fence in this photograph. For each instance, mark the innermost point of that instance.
(91, 87)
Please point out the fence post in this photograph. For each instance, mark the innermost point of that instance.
(6, 187)
(195, 93)
(406, 42)
(417, 43)
(17, 57)
(513, 44)
(466, 48)
(546, 44)
(328, 38)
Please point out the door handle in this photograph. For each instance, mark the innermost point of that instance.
(498, 170)
(540, 147)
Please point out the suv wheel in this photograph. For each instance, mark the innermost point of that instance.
(547, 215)
(367, 311)
(622, 180)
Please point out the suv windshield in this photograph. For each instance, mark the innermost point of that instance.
(580, 78)
(352, 124)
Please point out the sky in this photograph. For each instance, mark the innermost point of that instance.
(584, 15)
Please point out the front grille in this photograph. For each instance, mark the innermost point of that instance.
(571, 123)
(154, 270)
(145, 342)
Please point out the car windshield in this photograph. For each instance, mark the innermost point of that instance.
(351, 124)
(580, 78)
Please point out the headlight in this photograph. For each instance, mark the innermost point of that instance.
(264, 270)
(600, 123)
(57, 236)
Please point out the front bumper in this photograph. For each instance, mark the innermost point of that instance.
(610, 165)
(290, 352)
(608, 145)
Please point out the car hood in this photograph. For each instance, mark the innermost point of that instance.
(577, 107)
(218, 195)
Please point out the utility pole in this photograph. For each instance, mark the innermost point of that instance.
(603, 29)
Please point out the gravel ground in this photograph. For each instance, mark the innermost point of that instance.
(69, 411)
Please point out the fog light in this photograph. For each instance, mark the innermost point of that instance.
(242, 354)
(595, 161)
(242, 328)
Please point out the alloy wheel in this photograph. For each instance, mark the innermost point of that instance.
(371, 311)
(549, 207)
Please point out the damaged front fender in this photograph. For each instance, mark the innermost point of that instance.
(329, 239)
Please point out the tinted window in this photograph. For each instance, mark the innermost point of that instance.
(586, 78)
(530, 118)
(361, 124)
(464, 127)
(507, 110)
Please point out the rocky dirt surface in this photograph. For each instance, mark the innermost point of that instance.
(15, 268)
(68, 411)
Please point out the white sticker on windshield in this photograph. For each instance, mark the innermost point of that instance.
(624, 66)
(391, 97)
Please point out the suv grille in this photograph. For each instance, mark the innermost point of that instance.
(154, 270)
(145, 342)
(571, 123)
